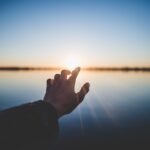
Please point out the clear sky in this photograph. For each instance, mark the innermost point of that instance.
(56, 32)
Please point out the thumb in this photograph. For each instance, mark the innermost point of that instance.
(83, 91)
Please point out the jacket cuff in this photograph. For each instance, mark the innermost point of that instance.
(48, 116)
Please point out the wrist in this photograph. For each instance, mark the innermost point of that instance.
(56, 107)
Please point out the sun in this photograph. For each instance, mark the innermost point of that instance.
(72, 62)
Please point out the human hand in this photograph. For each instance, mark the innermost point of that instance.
(60, 92)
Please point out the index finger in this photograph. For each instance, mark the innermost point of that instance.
(74, 75)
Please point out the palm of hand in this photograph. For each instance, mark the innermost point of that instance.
(60, 92)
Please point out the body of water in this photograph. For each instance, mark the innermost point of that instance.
(116, 111)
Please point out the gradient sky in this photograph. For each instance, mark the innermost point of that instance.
(97, 32)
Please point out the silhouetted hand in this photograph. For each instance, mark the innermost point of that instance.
(60, 92)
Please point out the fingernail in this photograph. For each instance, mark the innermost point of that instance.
(78, 69)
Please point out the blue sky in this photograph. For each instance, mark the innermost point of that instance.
(97, 32)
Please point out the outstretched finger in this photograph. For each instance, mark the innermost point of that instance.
(64, 74)
(84, 90)
(56, 78)
(49, 82)
(74, 75)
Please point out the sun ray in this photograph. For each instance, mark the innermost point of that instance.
(106, 109)
(81, 121)
(93, 113)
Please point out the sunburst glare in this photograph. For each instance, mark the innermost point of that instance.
(72, 62)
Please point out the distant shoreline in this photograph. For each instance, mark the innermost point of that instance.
(144, 69)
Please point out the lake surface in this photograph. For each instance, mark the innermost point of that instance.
(117, 108)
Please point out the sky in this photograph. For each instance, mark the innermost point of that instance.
(81, 32)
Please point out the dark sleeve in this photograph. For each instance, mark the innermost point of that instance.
(30, 125)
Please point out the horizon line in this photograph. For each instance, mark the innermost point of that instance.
(123, 68)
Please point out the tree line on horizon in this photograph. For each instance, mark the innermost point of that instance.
(84, 68)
